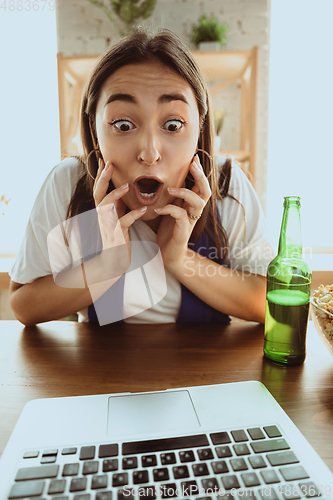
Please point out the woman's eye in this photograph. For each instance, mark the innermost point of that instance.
(173, 125)
(122, 125)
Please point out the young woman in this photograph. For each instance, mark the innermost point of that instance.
(146, 130)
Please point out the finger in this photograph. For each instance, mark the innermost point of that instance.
(114, 196)
(201, 187)
(102, 183)
(195, 203)
(180, 216)
(101, 166)
(127, 220)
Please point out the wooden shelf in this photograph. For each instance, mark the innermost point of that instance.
(220, 69)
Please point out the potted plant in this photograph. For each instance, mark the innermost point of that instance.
(127, 10)
(209, 33)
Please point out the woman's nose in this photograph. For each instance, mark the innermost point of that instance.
(149, 151)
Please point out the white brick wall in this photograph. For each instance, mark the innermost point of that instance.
(84, 29)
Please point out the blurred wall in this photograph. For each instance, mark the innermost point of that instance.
(83, 29)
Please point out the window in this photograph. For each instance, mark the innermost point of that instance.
(29, 138)
(300, 161)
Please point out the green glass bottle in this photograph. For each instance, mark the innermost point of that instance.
(288, 293)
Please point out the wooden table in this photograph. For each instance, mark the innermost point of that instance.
(71, 359)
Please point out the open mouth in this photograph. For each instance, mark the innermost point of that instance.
(148, 189)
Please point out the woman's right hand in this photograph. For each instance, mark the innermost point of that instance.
(114, 222)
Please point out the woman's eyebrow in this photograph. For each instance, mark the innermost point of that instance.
(172, 97)
(164, 98)
(121, 97)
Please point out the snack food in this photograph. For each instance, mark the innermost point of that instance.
(323, 298)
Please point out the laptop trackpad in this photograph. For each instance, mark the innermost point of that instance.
(150, 413)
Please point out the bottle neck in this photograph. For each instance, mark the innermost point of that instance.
(290, 242)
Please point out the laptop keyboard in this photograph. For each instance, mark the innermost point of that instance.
(244, 463)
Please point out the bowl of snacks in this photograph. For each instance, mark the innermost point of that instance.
(322, 314)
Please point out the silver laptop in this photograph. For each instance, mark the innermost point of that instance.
(228, 441)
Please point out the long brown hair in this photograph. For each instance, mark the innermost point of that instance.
(167, 48)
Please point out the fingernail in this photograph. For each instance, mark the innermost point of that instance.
(143, 209)
(108, 165)
(195, 166)
(124, 186)
(173, 190)
(100, 164)
(158, 210)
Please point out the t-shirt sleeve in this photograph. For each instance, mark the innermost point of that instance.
(49, 210)
(244, 222)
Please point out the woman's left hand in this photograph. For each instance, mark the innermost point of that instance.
(176, 227)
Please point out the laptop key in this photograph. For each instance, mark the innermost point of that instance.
(256, 433)
(257, 462)
(48, 460)
(166, 444)
(168, 458)
(85, 496)
(108, 450)
(151, 460)
(210, 485)
(180, 472)
(103, 495)
(168, 490)
(56, 486)
(223, 451)
(43, 472)
(99, 482)
(161, 474)
(201, 469)
(26, 490)
(220, 438)
(130, 463)
(239, 436)
(267, 493)
(87, 452)
(186, 456)
(241, 449)
(90, 467)
(78, 484)
(294, 473)
(69, 451)
(309, 489)
(120, 479)
(238, 464)
(189, 488)
(219, 467)
(282, 458)
(270, 476)
(270, 445)
(147, 492)
(110, 465)
(230, 482)
(290, 491)
(70, 470)
(126, 493)
(205, 454)
(272, 431)
(140, 477)
(250, 479)
(31, 454)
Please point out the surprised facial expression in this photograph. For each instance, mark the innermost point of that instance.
(147, 124)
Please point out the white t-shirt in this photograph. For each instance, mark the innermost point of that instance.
(244, 222)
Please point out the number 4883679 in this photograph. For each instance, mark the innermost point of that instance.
(27, 5)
